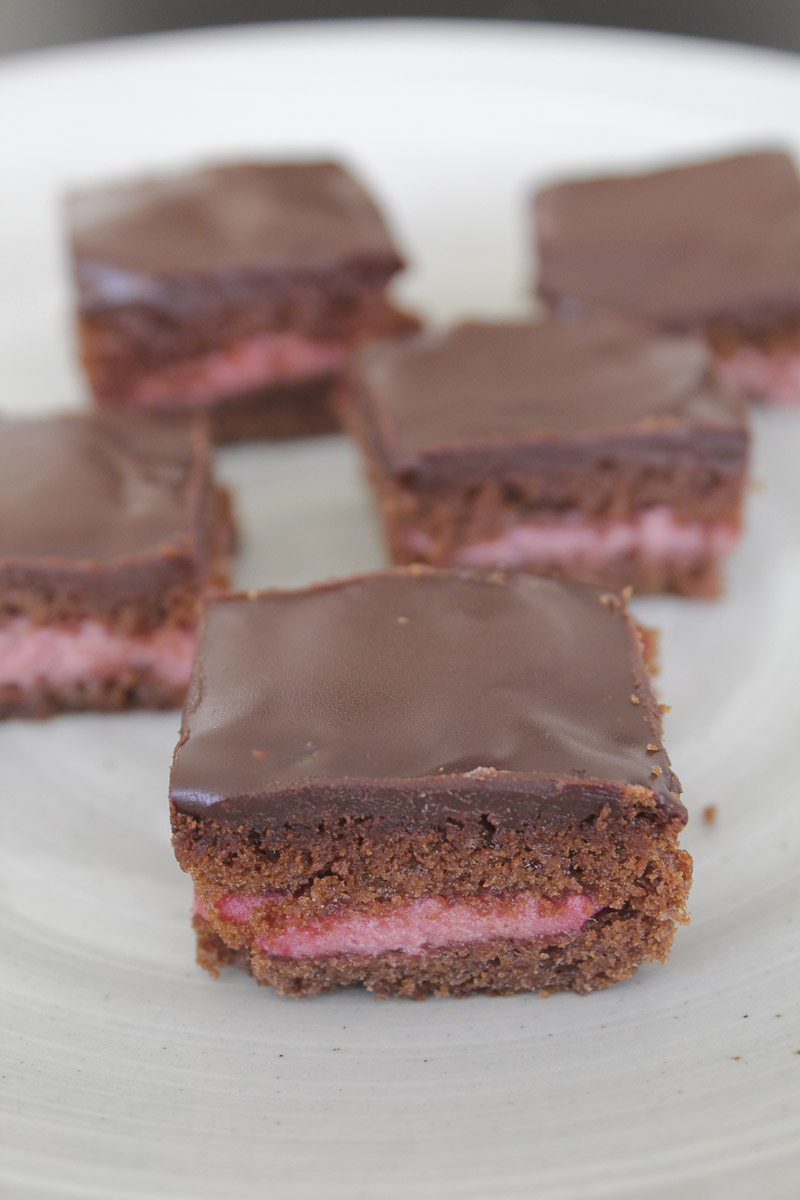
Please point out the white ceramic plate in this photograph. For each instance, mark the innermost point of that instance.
(125, 1072)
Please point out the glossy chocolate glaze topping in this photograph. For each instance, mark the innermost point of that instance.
(249, 217)
(94, 487)
(105, 503)
(716, 241)
(515, 384)
(413, 692)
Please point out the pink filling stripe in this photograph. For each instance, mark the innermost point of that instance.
(70, 654)
(654, 535)
(773, 377)
(418, 925)
(249, 363)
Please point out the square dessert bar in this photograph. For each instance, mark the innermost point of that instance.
(237, 290)
(593, 450)
(427, 781)
(712, 248)
(110, 531)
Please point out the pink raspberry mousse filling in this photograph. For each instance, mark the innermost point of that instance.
(772, 377)
(654, 535)
(417, 925)
(64, 655)
(242, 366)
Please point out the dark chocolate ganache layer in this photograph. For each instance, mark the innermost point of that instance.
(524, 394)
(264, 218)
(713, 241)
(414, 692)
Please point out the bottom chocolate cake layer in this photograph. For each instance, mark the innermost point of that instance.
(301, 408)
(610, 948)
(133, 689)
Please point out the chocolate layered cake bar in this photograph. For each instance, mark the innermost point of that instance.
(111, 529)
(237, 289)
(593, 450)
(427, 781)
(712, 248)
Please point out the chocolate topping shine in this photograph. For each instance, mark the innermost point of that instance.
(414, 692)
(715, 241)
(93, 488)
(259, 217)
(484, 385)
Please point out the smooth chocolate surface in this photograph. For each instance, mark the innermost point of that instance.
(414, 694)
(262, 218)
(518, 391)
(109, 505)
(713, 241)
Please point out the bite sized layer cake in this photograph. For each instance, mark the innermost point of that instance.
(236, 289)
(711, 248)
(111, 529)
(593, 450)
(427, 781)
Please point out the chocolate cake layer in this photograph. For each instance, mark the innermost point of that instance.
(227, 280)
(121, 347)
(427, 781)
(595, 450)
(713, 243)
(296, 409)
(109, 517)
(131, 689)
(294, 873)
